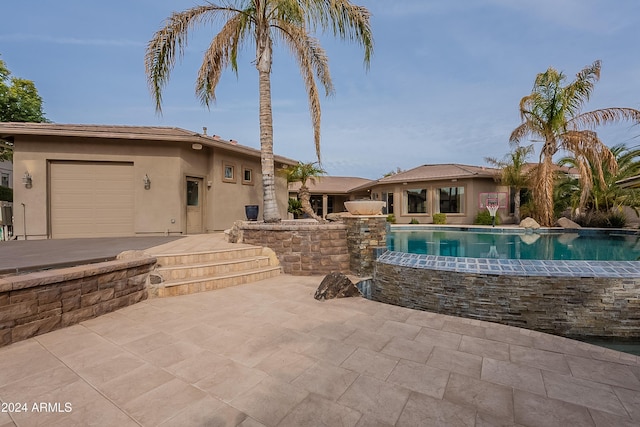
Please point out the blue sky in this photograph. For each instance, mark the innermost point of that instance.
(443, 87)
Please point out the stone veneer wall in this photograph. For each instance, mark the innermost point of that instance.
(303, 248)
(567, 306)
(36, 303)
(307, 248)
(366, 239)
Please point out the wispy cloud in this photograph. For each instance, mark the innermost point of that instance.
(39, 38)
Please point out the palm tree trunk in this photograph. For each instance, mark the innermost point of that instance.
(544, 192)
(516, 205)
(263, 64)
(305, 200)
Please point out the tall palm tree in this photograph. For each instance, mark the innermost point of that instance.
(513, 174)
(303, 172)
(260, 24)
(552, 112)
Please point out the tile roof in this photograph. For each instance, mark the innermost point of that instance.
(440, 171)
(149, 133)
(332, 184)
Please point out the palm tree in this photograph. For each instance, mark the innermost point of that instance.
(608, 196)
(303, 172)
(552, 112)
(513, 174)
(260, 23)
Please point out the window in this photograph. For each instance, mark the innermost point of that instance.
(5, 180)
(247, 176)
(192, 193)
(451, 199)
(229, 173)
(417, 201)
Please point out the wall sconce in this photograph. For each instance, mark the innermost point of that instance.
(26, 180)
(146, 181)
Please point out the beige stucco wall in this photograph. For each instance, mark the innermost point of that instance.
(159, 210)
(472, 188)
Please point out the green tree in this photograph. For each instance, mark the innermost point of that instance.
(606, 195)
(513, 174)
(303, 172)
(552, 112)
(260, 24)
(19, 102)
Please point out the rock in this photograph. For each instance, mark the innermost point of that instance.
(336, 285)
(567, 223)
(333, 217)
(529, 223)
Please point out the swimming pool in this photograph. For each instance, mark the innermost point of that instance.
(568, 297)
(588, 245)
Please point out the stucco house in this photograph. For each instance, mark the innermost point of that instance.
(99, 181)
(328, 193)
(459, 191)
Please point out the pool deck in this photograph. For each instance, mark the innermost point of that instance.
(268, 354)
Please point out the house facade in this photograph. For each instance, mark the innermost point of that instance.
(111, 181)
(459, 191)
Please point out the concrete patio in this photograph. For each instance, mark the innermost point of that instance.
(268, 354)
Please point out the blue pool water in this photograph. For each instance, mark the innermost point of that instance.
(530, 246)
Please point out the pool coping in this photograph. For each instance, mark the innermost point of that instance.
(493, 266)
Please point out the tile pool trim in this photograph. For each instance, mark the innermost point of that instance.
(511, 267)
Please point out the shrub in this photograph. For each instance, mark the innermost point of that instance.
(391, 218)
(414, 221)
(6, 194)
(439, 218)
(484, 218)
(295, 207)
(599, 219)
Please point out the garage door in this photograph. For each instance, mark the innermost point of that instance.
(91, 199)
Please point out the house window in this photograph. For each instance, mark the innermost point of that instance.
(451, 199)
(229, 173)
(5, 180)
(247, 176)
(417, 201)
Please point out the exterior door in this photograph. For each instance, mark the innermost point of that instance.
(194, 205)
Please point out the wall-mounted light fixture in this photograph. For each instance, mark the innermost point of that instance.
(26, 180)
(196, 146)
(146, 181)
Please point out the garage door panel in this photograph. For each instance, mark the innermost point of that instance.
(92, 199)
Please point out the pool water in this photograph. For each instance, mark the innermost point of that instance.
(544, 246)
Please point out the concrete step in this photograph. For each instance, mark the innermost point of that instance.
(215, 268)
(190, 286)
(165, 260)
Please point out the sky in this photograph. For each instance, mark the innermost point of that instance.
(443, 86)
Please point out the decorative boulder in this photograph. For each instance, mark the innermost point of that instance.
(529, 223)
(336, 285)
(567, 223)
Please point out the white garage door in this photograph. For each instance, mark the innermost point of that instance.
(91, 199)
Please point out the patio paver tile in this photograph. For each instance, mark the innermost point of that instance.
(422, 410)
(605, 419)
(420, 378)
(408, 349)
(269, 401)
(376, 398)
(326, 380)
(456, 361)
(513, 375)
(331, 351)
(285, 365)
(198, 366)
(604, 372)
(534, 410)
(439, 338)
(315, 410)
(399, 329)
(231, 380)
(484, 396)
(367, 339)
(209, 412)
(631, 401)
(132, 384)
(485, 348)
(464, 329)
(371, 363)
(541, 359)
